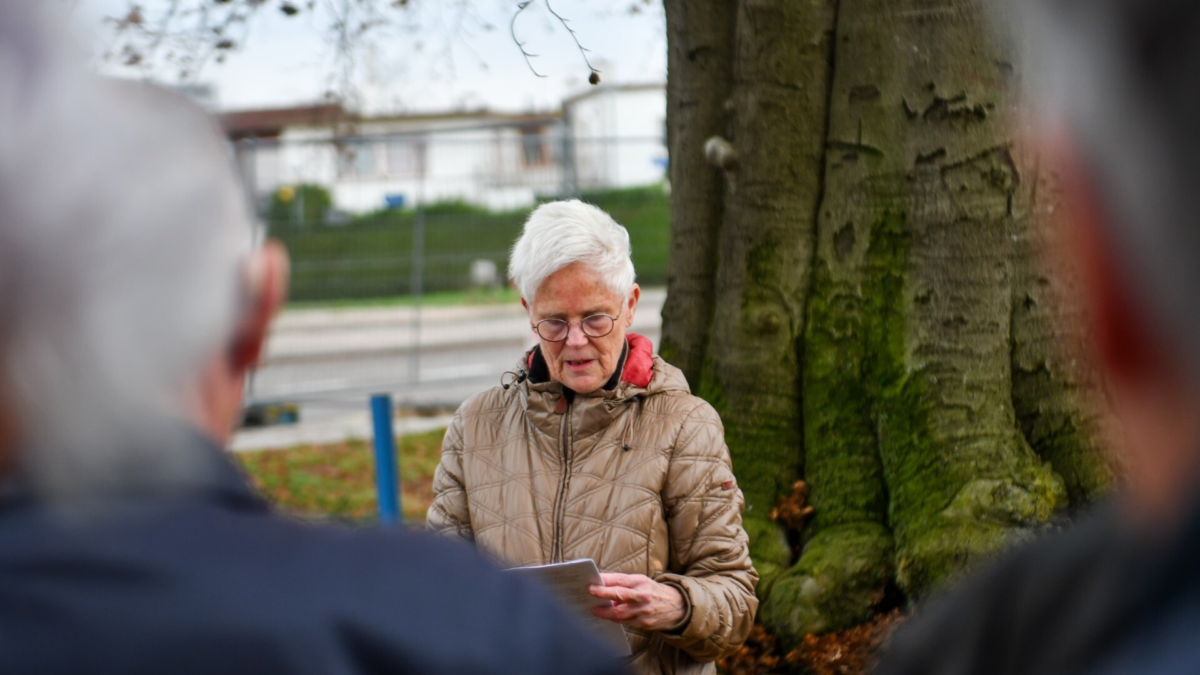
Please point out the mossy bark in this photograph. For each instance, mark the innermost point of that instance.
(700, 60)
(920, 185)
(882, 325)
(752, 372)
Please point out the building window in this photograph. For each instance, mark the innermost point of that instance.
(535, 146)
(405, 157)
(357, 160)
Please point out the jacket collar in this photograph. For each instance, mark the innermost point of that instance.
(545, 402)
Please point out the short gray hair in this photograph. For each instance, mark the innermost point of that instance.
(123, 236)
(563, 233)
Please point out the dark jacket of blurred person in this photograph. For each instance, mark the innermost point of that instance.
(1115, 82)
(208, 579)
(132, 303)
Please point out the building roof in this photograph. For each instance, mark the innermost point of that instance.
(269, 123)
(481, 114)
(607, 88)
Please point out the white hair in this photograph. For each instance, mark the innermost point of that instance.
(563, 233)
(123, 236)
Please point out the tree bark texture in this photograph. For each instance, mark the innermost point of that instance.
(883, 325)
(751, 375)
(700, 58)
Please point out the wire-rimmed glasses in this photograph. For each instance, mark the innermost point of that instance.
(594, 326)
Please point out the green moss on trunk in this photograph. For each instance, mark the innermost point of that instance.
(962, 482)
(764, 458)
(776, 110)
(838, 582)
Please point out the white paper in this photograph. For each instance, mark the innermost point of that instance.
(569, 581)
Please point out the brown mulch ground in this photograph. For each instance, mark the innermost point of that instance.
(849, 652)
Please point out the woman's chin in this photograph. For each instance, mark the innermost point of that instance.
(581, 383)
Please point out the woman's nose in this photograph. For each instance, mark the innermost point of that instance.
(575, 336)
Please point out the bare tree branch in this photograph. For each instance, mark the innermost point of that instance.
(512, 30)
(594, 78)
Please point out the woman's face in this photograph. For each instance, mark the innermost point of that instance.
(572, 294)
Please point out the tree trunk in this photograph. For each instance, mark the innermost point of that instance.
(781, 74)
(878, 298)
(912, 321)
(700, 60)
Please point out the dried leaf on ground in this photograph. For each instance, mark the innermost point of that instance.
(849, 652)
(793, 511)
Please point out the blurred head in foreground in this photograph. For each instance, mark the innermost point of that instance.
(131, 298)
(1114, 85)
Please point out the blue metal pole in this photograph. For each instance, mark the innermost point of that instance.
(385, 460)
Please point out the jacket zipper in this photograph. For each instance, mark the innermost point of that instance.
(561, 505)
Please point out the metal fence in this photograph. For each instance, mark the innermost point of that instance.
(399, 245)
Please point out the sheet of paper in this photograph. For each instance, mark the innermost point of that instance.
(569, 581)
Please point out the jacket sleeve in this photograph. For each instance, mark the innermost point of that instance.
(449, 512)
(710, 554)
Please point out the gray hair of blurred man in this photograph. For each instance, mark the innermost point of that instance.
(123, 237)
(1121, 79)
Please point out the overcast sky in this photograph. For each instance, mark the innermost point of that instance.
(440, 55)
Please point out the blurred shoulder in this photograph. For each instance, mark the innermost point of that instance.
(1044, 607)
(409, 597)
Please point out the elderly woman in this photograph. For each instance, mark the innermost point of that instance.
(595, 448)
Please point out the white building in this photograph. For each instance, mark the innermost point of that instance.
(613, 137)
(619, 135)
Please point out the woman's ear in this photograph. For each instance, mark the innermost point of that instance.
(635, 294)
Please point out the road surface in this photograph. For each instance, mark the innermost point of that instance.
(329, 361)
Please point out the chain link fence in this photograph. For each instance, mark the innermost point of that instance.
(399, 245)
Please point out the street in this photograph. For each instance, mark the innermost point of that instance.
(329, 362)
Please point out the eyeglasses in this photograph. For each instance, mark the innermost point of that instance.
(594, 326)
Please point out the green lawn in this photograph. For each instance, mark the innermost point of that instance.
(372, 256)
(471, 296)
(338, 480)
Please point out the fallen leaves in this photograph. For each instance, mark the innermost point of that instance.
(792, 510)
(848, 652)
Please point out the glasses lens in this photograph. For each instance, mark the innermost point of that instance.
(598, 325)
(552, 330)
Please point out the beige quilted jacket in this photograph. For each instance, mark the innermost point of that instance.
(637, 478)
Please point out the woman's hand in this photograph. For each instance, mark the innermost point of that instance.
(639, 601)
